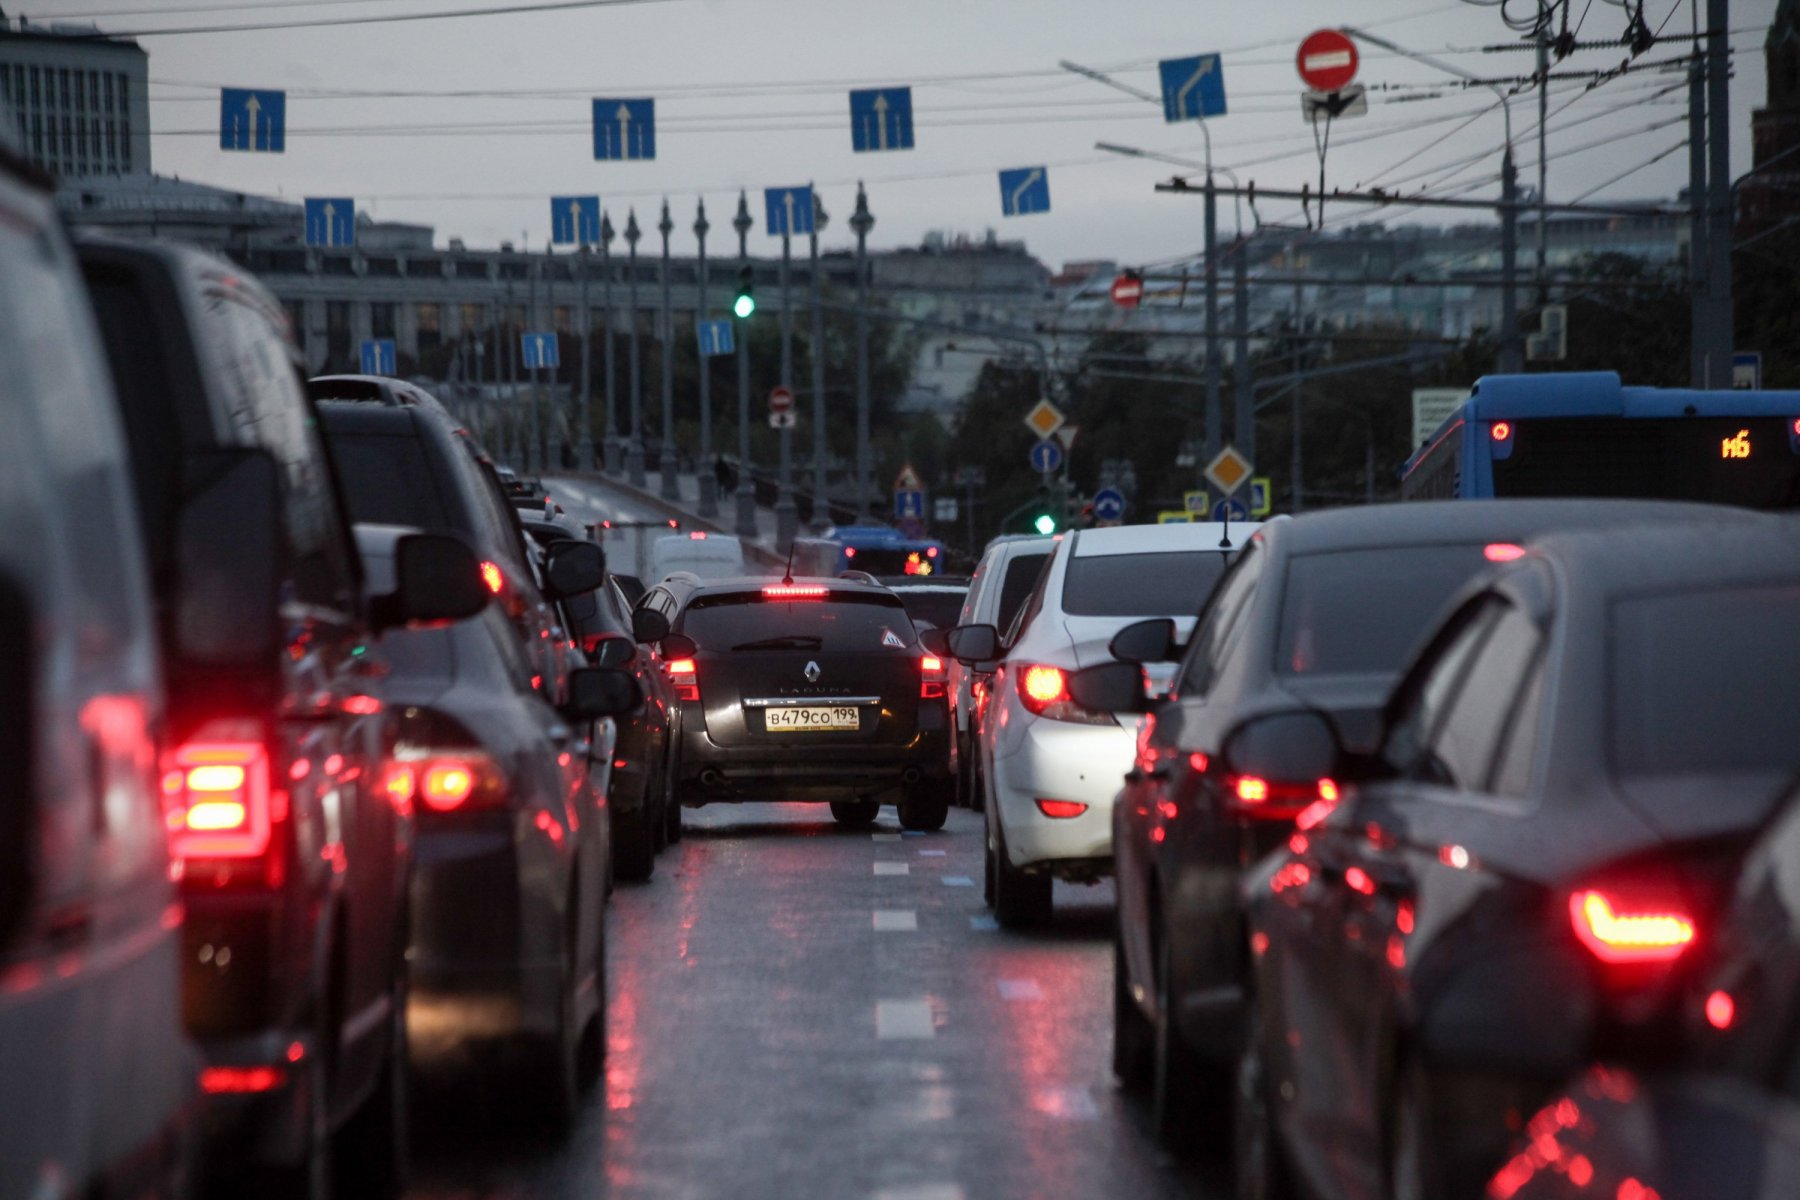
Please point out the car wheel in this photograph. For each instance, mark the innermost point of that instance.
(373, 1149)
(1258, 1163)
(1414, 1171)
(633, 846)
(1021, 900)
(965, 777)
(926, 807)
(548, 1082)
(1186, 1089)
(855, 812)
(311, 1177)
(1133, 1038)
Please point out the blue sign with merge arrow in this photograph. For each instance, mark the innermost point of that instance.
(715, 338)
(881, 119)
(1192, 87)
(1109, 505)
(539, 350)
(330, 221)
(574, 220)
(909, 504)
(624, 129)
(252, 119)
(1046, 456)
(378, 356)
(1231, 509)
(790, 210)
(1025, 191)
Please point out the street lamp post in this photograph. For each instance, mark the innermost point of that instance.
(609, 444)
(746, 491)
(821, 515)
(709, 483)
(786, 515)
(585, 456)
(669, 465)
(861, 222)
(634, 449)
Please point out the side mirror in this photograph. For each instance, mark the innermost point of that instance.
(648, 625)
(229, 557)
(437, 579)
(614, 652)
(679, 645)
(596, 692)
(936, 641)
(974, 644)
(1297, 747)
(572, 567)
(1115, 687)
(18, 745)
(1149, 641)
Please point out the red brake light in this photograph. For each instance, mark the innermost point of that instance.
(1721, 1010)
(1503, 552)
(1251, 790)
(795, 591)
(446, 786)
(933, 682)
(444, 781)
(930, 663)
(217, 1081)
(685, 674)
(1041, 686)
(697, 535)
(1500, 430)
(216, 799)
(1264, 799)
(850, 551)
(490, 575)
(931, 552)
(1617, 932)
(1061, 810)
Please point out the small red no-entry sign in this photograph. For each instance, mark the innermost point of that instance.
(781, 399)
(1127, 291)
(1327, 60)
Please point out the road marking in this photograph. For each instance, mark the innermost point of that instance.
(922, 1191)
(901, 1020)
(896, 920)
(1066, 1104)
(912, 833)
(931, 854)
(1020, 989)
(892, 868)
(884, 837)
(983, 924)
(958, 881)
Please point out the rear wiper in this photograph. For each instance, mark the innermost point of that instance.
(787, 641)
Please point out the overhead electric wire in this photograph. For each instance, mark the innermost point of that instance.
(508, 10)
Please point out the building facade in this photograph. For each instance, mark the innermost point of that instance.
(80, 99)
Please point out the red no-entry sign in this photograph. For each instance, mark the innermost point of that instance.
(1327, 60)
(1127, 291)
(781, 400)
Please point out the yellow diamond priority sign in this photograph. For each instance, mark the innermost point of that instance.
(1228, 471)
(1045, 419)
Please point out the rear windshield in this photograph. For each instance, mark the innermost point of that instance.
(1167, 584)
(388, 481)
(1702, 682)
(1361, 611)
(845, 622)
(942, 609)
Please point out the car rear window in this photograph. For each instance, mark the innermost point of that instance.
(843, 622)
(1361, 611)
(1162, 584)
(942, 609)
(1699, 683)
(387, 480)
(1021, 576)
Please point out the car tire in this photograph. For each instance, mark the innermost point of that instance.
(1133, 1037)
(372, 1151)
(1021, 900)
(855, 812)
(311, 1177)
(1259, 1165)
(548, 1082)
(965, 774)
(633, 846)
(926, 807)
(1186, 1090)
(1414, 1171)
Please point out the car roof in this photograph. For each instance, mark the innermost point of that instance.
(1691, 555)
(1154, 539)
(351, 416)
(1423, 522)
(756, 583)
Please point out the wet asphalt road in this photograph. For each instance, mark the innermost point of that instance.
(803, 1010)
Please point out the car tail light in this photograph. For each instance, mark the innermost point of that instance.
(447, 780)
(933, 679)
(1276, 800)
(1500, 552)
(226, 1081)
(697, 535)
(1621, 929)
(1044, 691)
(217, 799)
(1061, 810)
(493, 577)
(684, 673)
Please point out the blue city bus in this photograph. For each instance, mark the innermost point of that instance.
(880, 550)
(1584, 434)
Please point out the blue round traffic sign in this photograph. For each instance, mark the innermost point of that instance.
(1046, 456)
(1230, 509)
(1109, 504)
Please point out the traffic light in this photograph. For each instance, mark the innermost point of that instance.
(745, 303)
(1044, 518)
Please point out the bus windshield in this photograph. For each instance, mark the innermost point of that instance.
(1745, 461)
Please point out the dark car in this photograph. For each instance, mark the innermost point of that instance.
(1523, 879)
(932, 601)
(1320, 611)
(374, 389)
(508, 897)
(808, 689)
(293, 861)
(90, 974)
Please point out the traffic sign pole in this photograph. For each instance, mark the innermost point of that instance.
(669, 463)
(787, 517)
(634, 449)
(709, 482)
(821, 515)
(746, 491)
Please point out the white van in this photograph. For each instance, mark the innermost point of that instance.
(708, 555)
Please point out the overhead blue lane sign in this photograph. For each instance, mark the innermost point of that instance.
(790, 210)
(881, 119)
(715, 338)
(1025, 191)
(378, 357)
(1192, 87)
(252, 119)
(539, 351)
(624, 129)
(1046, 456)
(574, 220)
(330, 221)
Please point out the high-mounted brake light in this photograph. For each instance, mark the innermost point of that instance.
(697, 535)
(1499, 552)
(685, 675)
(1618, 932)
(491, 575)
(226, 1081)
(216, 799)
(795, 591)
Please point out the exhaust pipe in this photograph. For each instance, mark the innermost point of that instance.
(712, 777)
(911, 775)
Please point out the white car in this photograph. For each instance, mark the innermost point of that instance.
(708, 555)
(1050, 768)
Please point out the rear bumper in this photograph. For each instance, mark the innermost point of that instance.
(710, 773)
(1059, 760)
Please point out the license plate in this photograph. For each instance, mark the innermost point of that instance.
(790, 719)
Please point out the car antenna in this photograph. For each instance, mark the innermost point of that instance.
(1225, 520)
(787, 578)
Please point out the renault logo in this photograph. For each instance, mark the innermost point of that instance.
(813, 672)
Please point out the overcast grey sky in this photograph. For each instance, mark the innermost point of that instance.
(751, 93)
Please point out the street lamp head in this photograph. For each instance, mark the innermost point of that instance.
(666, 226)
(742, 221)
(862, 220)
(700, 224)
(820, 220)
(606, 230)
(632, 232)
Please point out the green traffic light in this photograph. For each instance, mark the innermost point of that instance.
(1045, 524)
(744, 305)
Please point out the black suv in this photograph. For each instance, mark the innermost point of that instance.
(815, 689)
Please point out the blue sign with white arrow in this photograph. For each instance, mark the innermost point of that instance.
(909, 505)
(1025, 191)
(1109, 505)
(378, 357)
(1046, 456)
(624, 129)
(252, 119)
(539, 350)
(881, 119)
(1192, 87)
(1231, 509)
(574, 220)
(330, 221)
(790, 210)
(715, 338)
